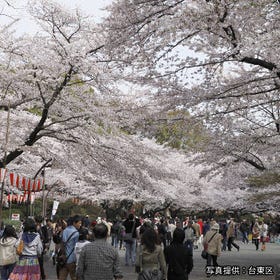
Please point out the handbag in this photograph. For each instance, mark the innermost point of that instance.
(204, 253)
(154, 274)
(144, 274)
(20, 248)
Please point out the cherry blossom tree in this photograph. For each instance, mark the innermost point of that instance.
(52, 75)
(218, 59)
(58, 86)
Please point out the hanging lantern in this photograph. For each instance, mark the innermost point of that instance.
(12, 179)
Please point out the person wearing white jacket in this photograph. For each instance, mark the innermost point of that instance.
(28, 265)
(8, 256)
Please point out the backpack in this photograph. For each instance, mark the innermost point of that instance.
(61, 258)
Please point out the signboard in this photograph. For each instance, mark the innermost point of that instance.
(15, 217)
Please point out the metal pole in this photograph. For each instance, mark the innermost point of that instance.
(43, 194)
(46, 164)
(4, 165)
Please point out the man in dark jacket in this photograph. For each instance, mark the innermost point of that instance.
(162, 231)
(244, 229)
(42, 230)
(178, 258)
(130, 225)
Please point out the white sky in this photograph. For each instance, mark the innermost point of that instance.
(25, 25)
(91, 7)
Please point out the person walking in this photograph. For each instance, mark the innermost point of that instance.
(231, 235)
(244, 229)
(70, 237)
(42, 230)
(149, 255)
(178, 259)
(189, 237)
(212, 244)
(98, 259)
(8, 256)
(28, 267)
(130, 225)
(223, 231)
(197, 240)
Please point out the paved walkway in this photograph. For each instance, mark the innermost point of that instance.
(252, 264)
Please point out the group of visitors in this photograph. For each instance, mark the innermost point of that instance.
(80, 248)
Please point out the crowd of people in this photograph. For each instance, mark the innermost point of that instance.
(160, 247)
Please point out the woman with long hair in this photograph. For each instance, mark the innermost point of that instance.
(8, 256)
(28, 267)
(149, 255)
(178, 257)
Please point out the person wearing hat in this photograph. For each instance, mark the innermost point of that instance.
(212, 244)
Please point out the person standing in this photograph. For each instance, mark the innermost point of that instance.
(115, 233)
(57, 239)
(98, 259)
(83, 240)
(170, 230)
(149, 256)
(50, 230)
(130, 225)
(178, 259)
(212, 243)
(70, 237)
(162, 231)
(256, 234)
(263, 234)
(8, 256)
(28, 265)
(86, 222)
(185, 222)
(206, 227)
(189, 237)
